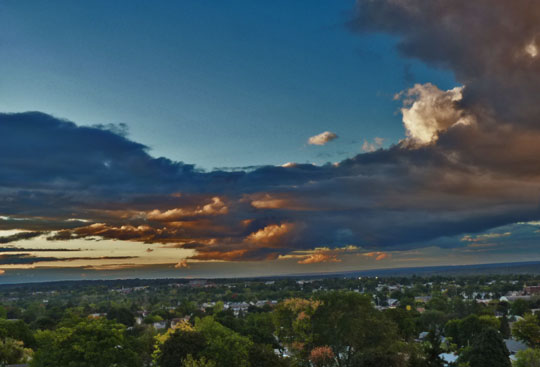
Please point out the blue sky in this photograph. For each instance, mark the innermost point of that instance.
(212, 83)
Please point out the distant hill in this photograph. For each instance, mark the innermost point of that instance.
(531, 267)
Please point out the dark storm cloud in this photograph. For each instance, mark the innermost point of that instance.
(21, 249)
(469, 162)
(394, 197)
(28, 259)
(19, 236)
(492, 46)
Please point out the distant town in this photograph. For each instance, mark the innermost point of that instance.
(430, 319)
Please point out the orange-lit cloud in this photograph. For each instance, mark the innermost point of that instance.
(271, 235)
(378, 255)
(320, 257)
(219, 255)
(215, 207)
(269, 202)
(182, 264)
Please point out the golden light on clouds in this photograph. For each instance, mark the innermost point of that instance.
(215, 207)
(271, 235)
(320, 257)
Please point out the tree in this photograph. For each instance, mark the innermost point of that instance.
(260, 328)
(121, 315)
(224, 346)
(262, 355)
(348, 323)
(89, 343)
(294, 329)
(505, 328)
(12, 352)
(322, 357)
(189, 361)
(18, 330)
(463, 332)
(519, 307)
(405, 321)
(527, 330)
(433, 349)
(178, 346)
(432, 319)
(488, 350)
(527, 358)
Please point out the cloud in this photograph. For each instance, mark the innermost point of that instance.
(501, 76)
(271, 235)
(319, 257)
(182, 264)
(19, 236)
(215, 207)
(26, 249)
(29, 259)
(425, 192)
(369, 147)
(468, 164)
(429, 111)
(378, 255)
(484, 237)
(322, 138)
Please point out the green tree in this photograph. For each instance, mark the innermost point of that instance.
(121, 315)
(405, 321)
(223, 345)
(294, 328)
(18, 330)
(189, 361)
(505, 328)
(89, 343)
(519, 307)
(463, 332)
(527, 358)
(433, 349)
(356, 332)
(260, 328)
(488, 350)
(178, 346)
(12, 352)
(527, 330)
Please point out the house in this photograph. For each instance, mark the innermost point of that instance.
(514, 346)
(448, 358)
(422, 299)
(422, 336)
(160, 325)
(97, 315)
(532, 290)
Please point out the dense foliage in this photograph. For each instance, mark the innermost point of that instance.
(333, 322)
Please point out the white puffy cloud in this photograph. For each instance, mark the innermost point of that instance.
(322, 138)
(427, 111)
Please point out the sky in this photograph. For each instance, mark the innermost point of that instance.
(211, 138)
